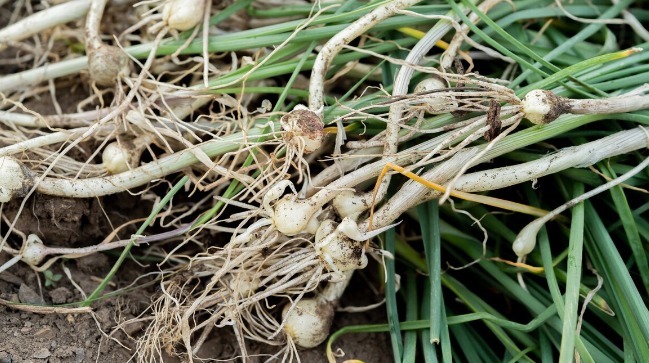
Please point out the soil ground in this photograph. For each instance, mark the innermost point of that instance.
(30, 337)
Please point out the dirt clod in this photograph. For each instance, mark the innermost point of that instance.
(58, 221)
(60, 295)
(41, 353)
(27, 295)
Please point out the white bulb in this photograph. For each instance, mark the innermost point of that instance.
(542, 106)
(341, 253)
(34, 250)
(304, 129)
(435, 103)
(106, 64)
(430, 84)
(292, 217)
(115, 158)
(526, 239)
(350, 204)
(309, 322)
(15, 179)
(183, 14)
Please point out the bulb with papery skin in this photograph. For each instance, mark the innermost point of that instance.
(304, 129)
(434, 103)
(107, 64)
(542, 106)
(309, 322)
(115, 158)
(291, 216)
(183, 14)
(15, 179)
(34, 251)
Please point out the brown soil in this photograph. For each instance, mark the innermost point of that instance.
(30, 337)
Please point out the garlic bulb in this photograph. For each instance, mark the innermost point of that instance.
(308, 322)
(351, 204)
(435, 103)
(34, 250)
(304, 129)
(121, 156)
(542, 106)
(183, 14)
(15, 179)
(292, 217)
(106, 64)
(339, 252)
(115, 158)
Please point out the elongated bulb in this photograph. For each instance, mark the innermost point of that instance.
(526, 239)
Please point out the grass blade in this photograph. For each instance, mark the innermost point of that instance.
(391, 297)
(625, 297)
(571, 309)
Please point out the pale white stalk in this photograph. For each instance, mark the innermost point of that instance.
(34, 76)
(335, 290)
(49, 139)
(451, 184)
(618, 104)
(93, 22)
(43, 20)
(580, 156)
(342, 38)
(572, 157)
(34, 251)
(526, 239)
(93, 187)
(635, 24)
(412, 194)
(401, 83)
(53, 121)
(10, 263)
